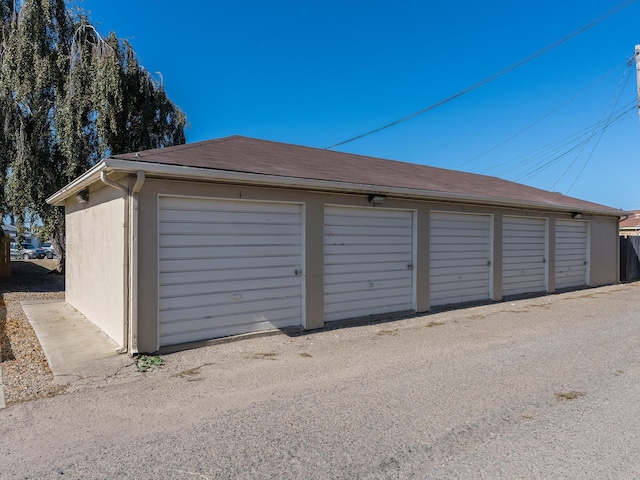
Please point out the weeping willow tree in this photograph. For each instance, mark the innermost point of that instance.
(68, 97)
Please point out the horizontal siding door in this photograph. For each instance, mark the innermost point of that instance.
(524, 250)
(227, 267)
(368, 262)
(571, 253)
(460, 258)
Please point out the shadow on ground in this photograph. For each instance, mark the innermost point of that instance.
(32, 276)
(26, 276)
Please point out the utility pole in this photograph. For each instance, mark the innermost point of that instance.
(638, 75)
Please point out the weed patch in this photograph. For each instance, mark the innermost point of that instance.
(387, 332)
(148, 362)
(266, 356)
(434, 324)
(572, 395)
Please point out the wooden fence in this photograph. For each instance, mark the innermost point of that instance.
(5, 256)
(629, 259)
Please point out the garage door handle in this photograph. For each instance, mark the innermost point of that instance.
(298, 272)
(489, 263)
(410, 266)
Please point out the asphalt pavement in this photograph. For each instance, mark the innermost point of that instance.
(531, 389)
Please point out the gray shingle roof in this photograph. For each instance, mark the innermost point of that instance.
(249, 155)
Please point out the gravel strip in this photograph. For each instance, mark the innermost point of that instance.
(25, 372)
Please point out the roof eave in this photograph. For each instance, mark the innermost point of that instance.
(195, 173)
(77, 185)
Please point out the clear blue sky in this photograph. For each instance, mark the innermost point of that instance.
(317, 72)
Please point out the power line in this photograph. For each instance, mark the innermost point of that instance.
(540, 166)
(613, 103)
(598, 140)
(613, 11)
(508, 139)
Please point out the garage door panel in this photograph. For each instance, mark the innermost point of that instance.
(213, 252)
(363, 258)
(527, 273)
(368, 261)
(460, 255)
(353, 249)
(343, 222)
(531, 282)
(367, 288)
(199, 288)
(451, 295)
(467, 240)
(208, 276)
(227, 263)
(220, 313)
(372, 231)
(227, 266)
(239, 326)
(190, 331)
(534, 259)
(370, 298)
(571, 253)
(225, 229)
(360, 277)
(265, 218)
(205, 204)
(476, 256)
(362, 308)
(194, 241)
(204, 299)
(468, 277)
(524, 246)
(380, 268)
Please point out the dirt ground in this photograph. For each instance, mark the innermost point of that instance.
(25, 372)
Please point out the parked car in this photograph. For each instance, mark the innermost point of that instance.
(48, 250)
(13, 251)
(27, 251)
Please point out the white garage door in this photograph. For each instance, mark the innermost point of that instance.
(227, 267)
(571, 253)
(524, 242)
(368, 262)
(460, 258)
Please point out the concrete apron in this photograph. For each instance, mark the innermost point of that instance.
(75, 348)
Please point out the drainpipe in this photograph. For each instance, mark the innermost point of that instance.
(133, 268)
(125, 323)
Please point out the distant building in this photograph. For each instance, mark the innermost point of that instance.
(631, 226)
(13, 233)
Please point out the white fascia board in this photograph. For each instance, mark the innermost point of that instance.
(80, 183)
(179, 172)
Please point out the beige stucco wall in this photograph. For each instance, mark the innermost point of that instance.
(603, 238)
(94, 269)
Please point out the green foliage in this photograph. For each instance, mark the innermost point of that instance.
(148, 362)
(68, 97)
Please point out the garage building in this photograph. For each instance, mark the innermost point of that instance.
(238, 235)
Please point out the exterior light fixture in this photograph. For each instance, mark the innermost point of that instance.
(83, 196)
(377, 199)
(576, 215)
